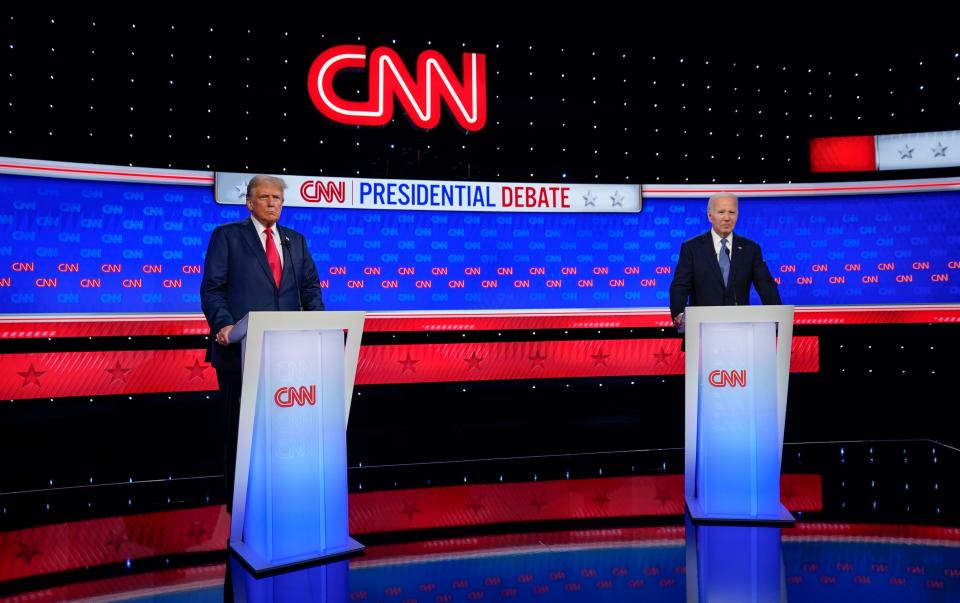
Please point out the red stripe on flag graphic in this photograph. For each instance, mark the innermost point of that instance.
(843, 154)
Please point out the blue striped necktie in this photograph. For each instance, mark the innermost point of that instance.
(724, 261)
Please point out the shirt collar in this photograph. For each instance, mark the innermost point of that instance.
(260, 227)
(717, 238)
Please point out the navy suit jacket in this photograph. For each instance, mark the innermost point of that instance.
(237, 280)
(697, 280)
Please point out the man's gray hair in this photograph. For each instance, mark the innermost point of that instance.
(721, 195)
(264, 179)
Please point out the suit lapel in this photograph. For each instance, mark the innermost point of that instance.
(285, 252)
(736, 261)
(711, 253)
(253, 241)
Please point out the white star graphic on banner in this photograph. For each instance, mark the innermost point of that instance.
(589, 200)
(940, 151)
(241, 189)
(617, 199)
(906, 153)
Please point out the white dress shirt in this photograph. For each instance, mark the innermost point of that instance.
(716, 243)
(261, 230)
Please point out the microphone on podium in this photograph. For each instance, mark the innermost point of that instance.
(286, 244)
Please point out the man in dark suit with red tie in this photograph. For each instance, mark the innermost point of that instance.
(254, 264)
(716, 268)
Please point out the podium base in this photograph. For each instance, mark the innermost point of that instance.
(698, 515)
(260, 566)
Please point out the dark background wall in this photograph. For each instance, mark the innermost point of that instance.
(605, 101)
(588, 98)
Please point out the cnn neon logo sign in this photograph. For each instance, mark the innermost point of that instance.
(389, 78)
(728, 378)
(285, 397)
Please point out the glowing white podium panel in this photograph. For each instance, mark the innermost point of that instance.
(737, 372)
(290, 497)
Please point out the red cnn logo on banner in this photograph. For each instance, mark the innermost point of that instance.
(389, 78)
(285, 397)
(728, 378)
(330, 191)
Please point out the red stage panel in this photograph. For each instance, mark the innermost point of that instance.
(444, 507)
(880, 315)
(40, 375)
(23, 327)
(424, 363)
(889, 533)
(14, 327)
(60, 374)
(645, 318)
(533, 319)
(150, 586)
(459, 548)
(67, 546)
(463, 548)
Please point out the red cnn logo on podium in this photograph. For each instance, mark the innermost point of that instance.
(389, 78)
(728, 378)
(285, 397)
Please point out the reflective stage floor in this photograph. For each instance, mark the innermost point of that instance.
(877, 521)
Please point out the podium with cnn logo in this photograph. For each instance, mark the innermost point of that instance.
(737, 372)
(290, 496)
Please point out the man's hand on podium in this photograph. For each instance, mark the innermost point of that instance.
(223, 337)
(678, 320)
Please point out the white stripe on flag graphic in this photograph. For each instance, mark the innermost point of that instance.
(918, 150)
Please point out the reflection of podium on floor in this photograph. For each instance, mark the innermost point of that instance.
(734, 563)
(290, 498)
(737, 372)
(327, 583)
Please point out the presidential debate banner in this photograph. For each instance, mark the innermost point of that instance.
(433, 195)
(79, 239)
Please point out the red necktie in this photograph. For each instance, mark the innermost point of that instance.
(273, 258)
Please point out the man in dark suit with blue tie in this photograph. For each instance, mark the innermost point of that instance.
(716, 269)
(254, 264)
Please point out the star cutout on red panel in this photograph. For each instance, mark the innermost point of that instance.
(117, 540)
(118, 373)
(410, 509)
(601, 498)
(662, 355)
(539, 501)
(787, 492)
(31, 375)
(473, 362)
(27, 551)
(197, 532)
(409, 364)
(600, 358)
(476, 503)
(663, 495)
(196, 371)
(537, 360)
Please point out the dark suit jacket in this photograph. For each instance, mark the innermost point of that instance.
(697, 280)
(237, 280)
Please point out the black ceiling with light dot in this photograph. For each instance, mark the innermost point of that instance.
(230, 94)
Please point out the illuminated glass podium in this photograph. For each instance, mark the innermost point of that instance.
(290, 497)
(737, 372)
